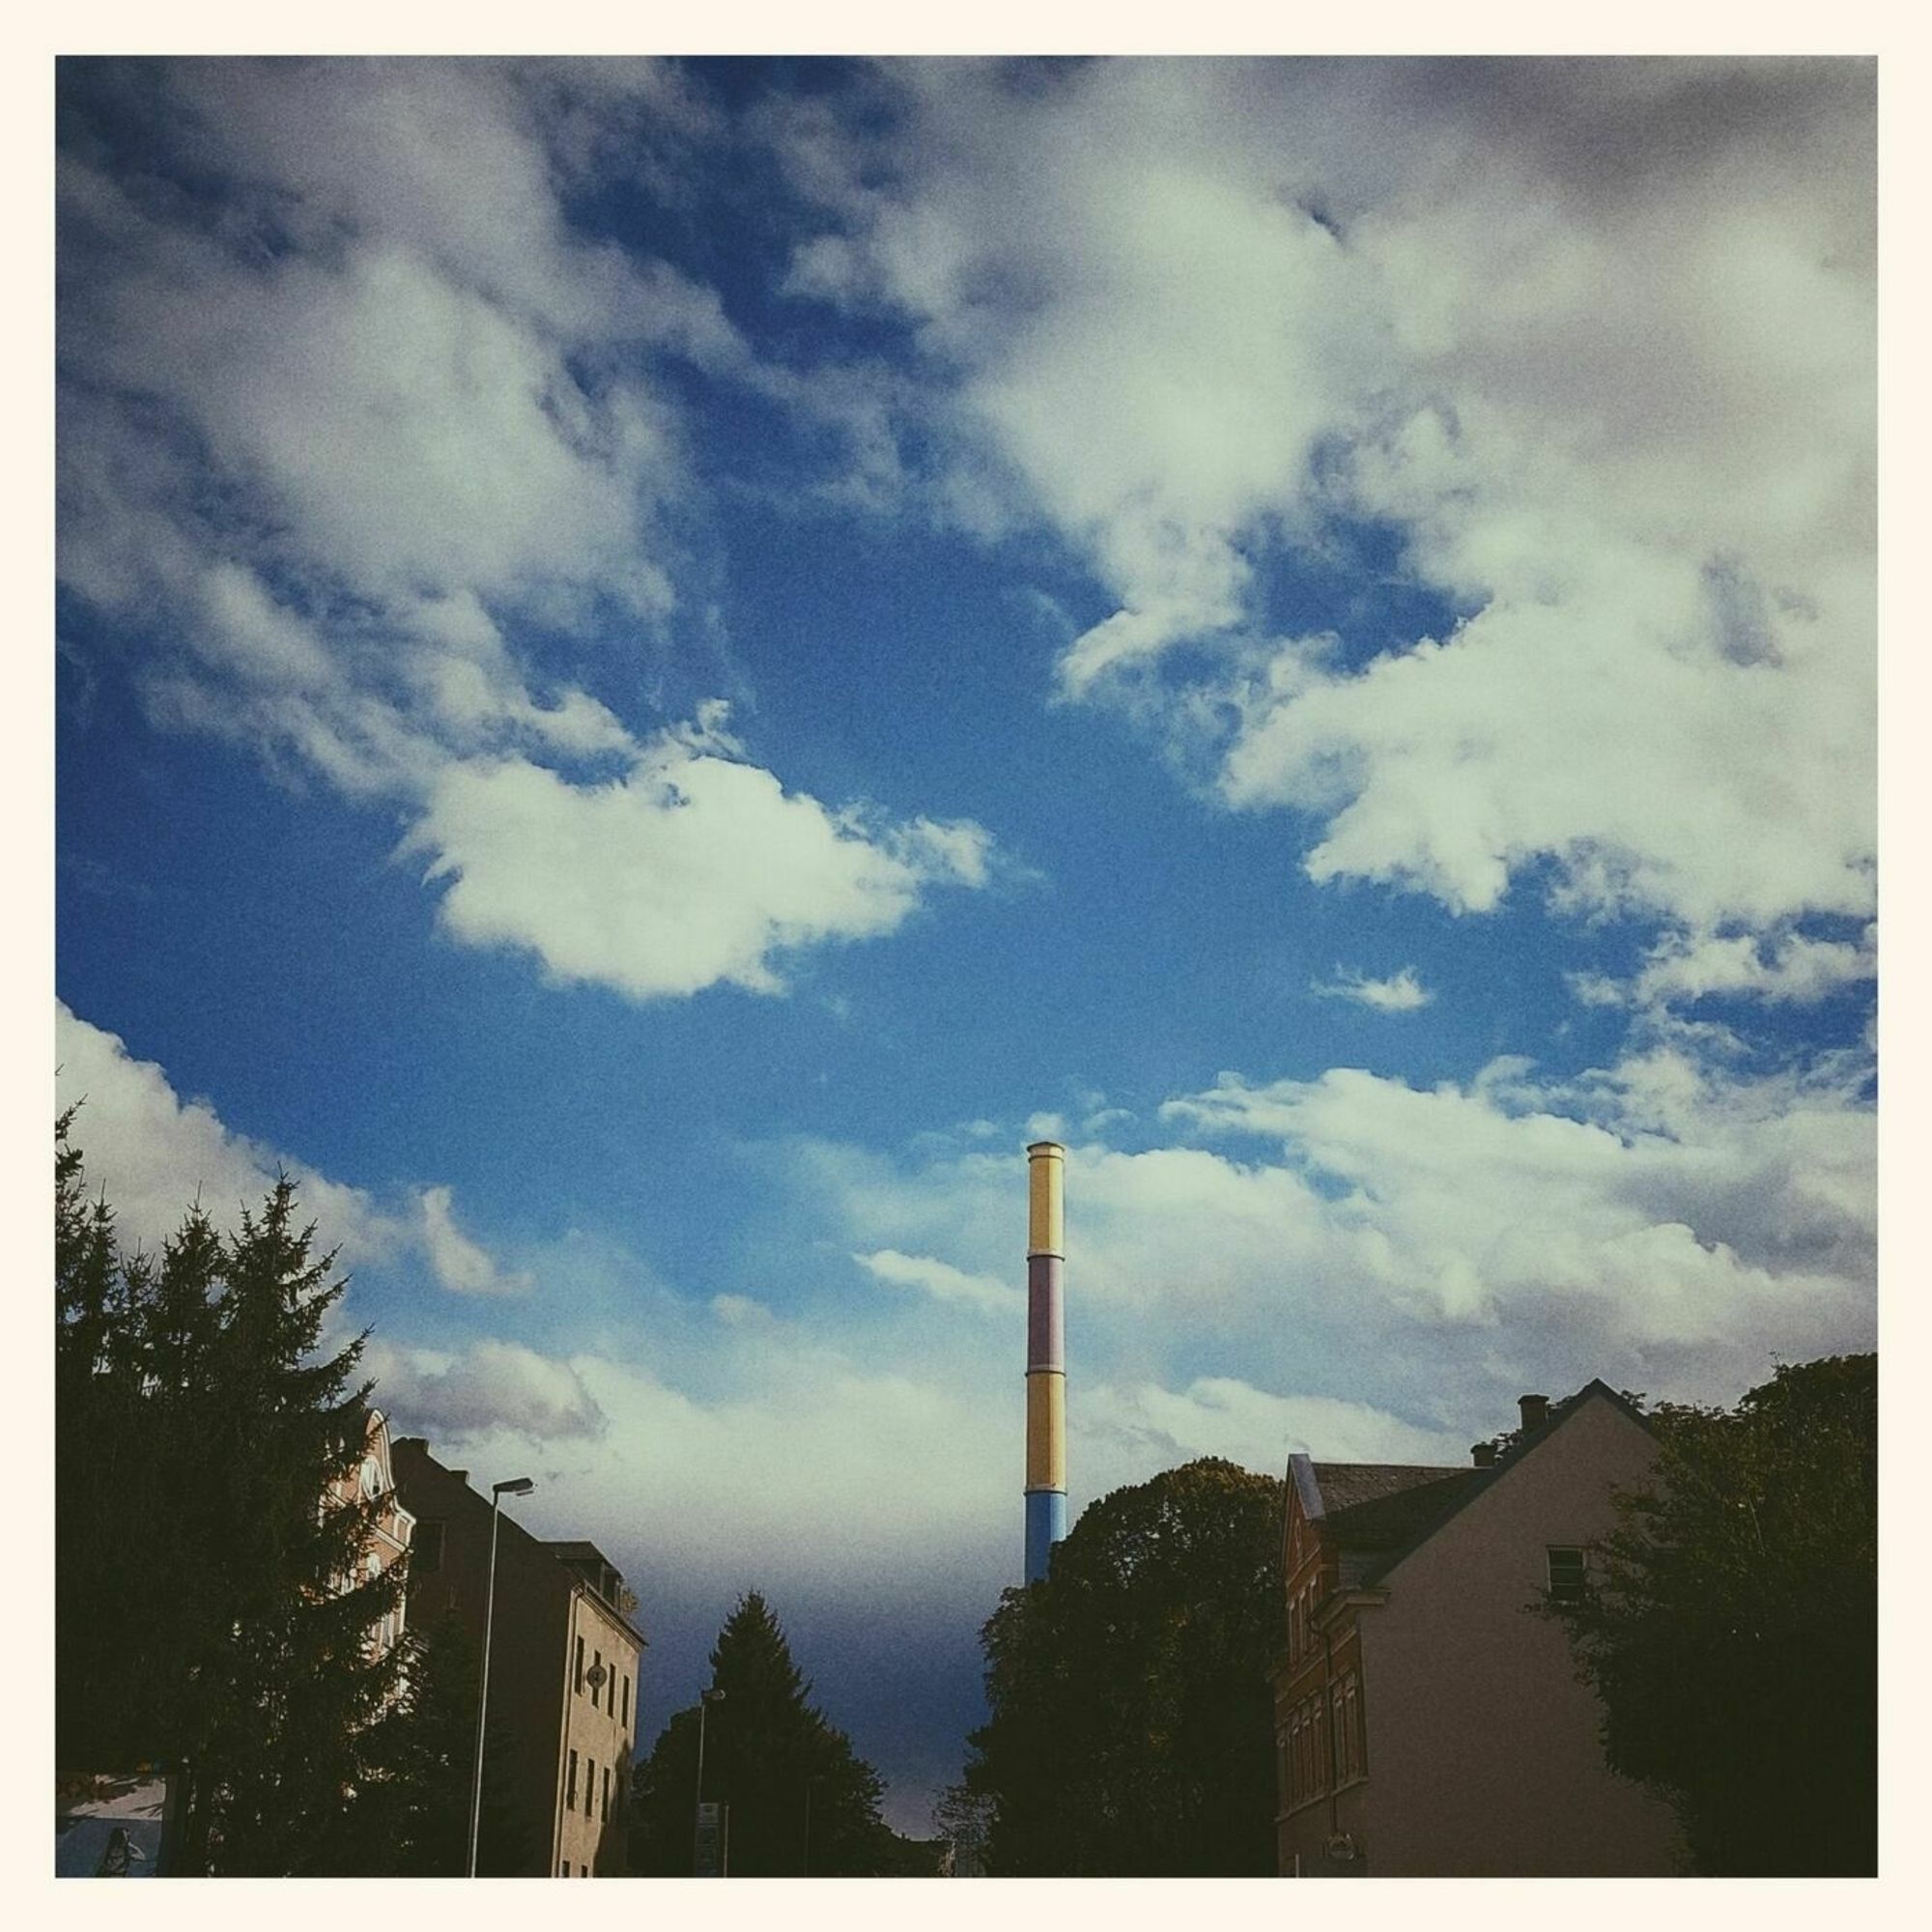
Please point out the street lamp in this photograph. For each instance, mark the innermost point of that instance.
(516, 1486)
(705, 1700)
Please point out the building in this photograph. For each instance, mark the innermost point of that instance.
(564, 1666)
(373, 1480)
(1428, 1723)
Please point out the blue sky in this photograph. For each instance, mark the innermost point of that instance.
(659, 665)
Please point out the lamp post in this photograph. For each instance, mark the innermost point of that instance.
(516, 1486)
(705, 1700)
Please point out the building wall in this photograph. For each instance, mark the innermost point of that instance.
(1320, 1766)
(528, 1654)
(373, 1478)
(1483, 1750)
(599, 1725)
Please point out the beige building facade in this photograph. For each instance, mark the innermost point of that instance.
(564, 1671)
(598, 1712)
(1429, 1722)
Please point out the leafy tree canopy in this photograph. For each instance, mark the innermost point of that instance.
(1131, 1731)
(1732, 1631)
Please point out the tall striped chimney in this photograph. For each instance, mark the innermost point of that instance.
(1046, 1359)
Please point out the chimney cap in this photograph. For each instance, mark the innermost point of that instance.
(1044, 1147)
(1535, 1409)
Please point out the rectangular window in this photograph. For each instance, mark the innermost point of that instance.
(627, 1700)
(597, 1679)
(426, 1549)
(570, 1789)
(579, 1666)
(590, 1787)
(604, 1804)
(563, 1867)
(1568, 1568)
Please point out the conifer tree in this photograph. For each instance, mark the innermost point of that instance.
(409, 1816)
(215, 1603)
(802, 1803)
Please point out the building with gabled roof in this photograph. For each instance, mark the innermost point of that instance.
(1429, 1721)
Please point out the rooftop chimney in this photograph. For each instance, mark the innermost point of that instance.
(1483, 1455)
(1535, 1412)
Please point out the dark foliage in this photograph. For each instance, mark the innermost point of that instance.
(1132, 1732)
(1732, 1631)
(212, 1615)
(409, 1814)
(802, 1803)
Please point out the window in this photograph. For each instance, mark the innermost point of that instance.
(570, 1789)
(579, 1666)
(590, 1786)
(426, 1548)
(596, 1678)
(1568, 1568)
(604, 1804)
(563, 1867)
(627, 1700)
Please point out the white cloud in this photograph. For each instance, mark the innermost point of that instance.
(488, 1385)
(1657, 1202)
(1401, 993)
(1146, 1425)
(691, 870)
(1662, 1223)
(351, 435)
(458, 1263)
(1794, 969)
(154, 1154)
(1594, 339)
(984, 1294)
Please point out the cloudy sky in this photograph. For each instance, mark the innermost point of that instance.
(660, 664)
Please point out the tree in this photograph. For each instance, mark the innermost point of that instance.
(1731, 1629)
(409, 1813)
(964, 1819)
(1130, 1731)
(213, 1602)
(803, 1804)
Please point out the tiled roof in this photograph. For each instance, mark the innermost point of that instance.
(1378, 1505)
